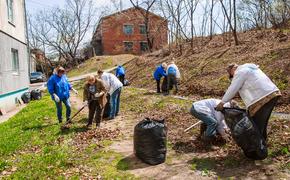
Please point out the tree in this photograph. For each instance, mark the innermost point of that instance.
(63, 30)
(147, 4)
(233, 25)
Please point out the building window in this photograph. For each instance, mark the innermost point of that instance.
(10, 11)
(15, 60)
(128, 46)
(143, 46)
(142, 28)
(128, 29)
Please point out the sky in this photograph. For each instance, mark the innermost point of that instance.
(35, 5)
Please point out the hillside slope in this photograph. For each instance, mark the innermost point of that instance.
(203, 68)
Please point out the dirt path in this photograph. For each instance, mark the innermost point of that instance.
(175, 167)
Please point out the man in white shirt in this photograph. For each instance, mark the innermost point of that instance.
(114, 87)
(204, 110)
(258, 92)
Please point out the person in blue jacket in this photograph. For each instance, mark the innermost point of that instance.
(158, 74)
(120, 73)
(59, 89)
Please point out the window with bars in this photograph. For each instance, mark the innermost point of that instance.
(10, 11)
(143, 46)
(128, 46)
(15, 60)
(142, 29)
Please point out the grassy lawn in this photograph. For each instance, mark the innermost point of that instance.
(32, 146)
(99, 62)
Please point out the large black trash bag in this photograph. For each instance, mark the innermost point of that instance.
(150, 141)
(26, 97)
(36, 94)
(245, 133)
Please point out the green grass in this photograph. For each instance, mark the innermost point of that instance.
(32, 146)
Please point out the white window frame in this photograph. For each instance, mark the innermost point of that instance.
(15, 61)
(10, 11)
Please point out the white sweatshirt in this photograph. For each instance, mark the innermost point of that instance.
(207, 106)
(251, 83)
(176, 68)
(111, 82)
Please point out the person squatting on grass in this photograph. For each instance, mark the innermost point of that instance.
(214, 121)
(114, 87)
(94, 95)
(258, 92)
(120, 73)
(59, 89)
(173, 76)
(158, 74)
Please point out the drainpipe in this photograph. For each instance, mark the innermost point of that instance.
(27, 40)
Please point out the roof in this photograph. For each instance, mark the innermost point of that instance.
(131, 8)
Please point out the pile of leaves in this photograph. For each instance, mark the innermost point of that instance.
(94, 136)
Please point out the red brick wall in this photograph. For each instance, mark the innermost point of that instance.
(113, 36)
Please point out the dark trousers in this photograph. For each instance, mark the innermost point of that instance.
(171, 81)
(158, 85)
(122, 78)
(95, 112)
(261, 117)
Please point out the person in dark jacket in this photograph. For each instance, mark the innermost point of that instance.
(59, 89)
(95, 96)
(120, 73)
(158, 74)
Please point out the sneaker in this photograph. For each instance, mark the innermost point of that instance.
(60, 120)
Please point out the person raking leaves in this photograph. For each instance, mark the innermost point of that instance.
(94, 95)
(59, 89)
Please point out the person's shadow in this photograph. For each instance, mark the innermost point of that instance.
(130, 163)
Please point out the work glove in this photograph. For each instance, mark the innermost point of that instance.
(75, 91)
(220, 106)
(85, 103)
(97, 95)
(56, 98)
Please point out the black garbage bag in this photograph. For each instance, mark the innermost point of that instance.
(150, 141)
(164, 86)
(35, 94)
(26, 97)
(107, 107)
(245, 133)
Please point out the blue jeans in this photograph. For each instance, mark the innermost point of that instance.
(59, 109)
(115, 103)
(210, 122)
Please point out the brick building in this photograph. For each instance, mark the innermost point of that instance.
(125, 32)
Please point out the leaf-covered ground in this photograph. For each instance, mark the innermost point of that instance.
(203, 66)
(33, 146)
